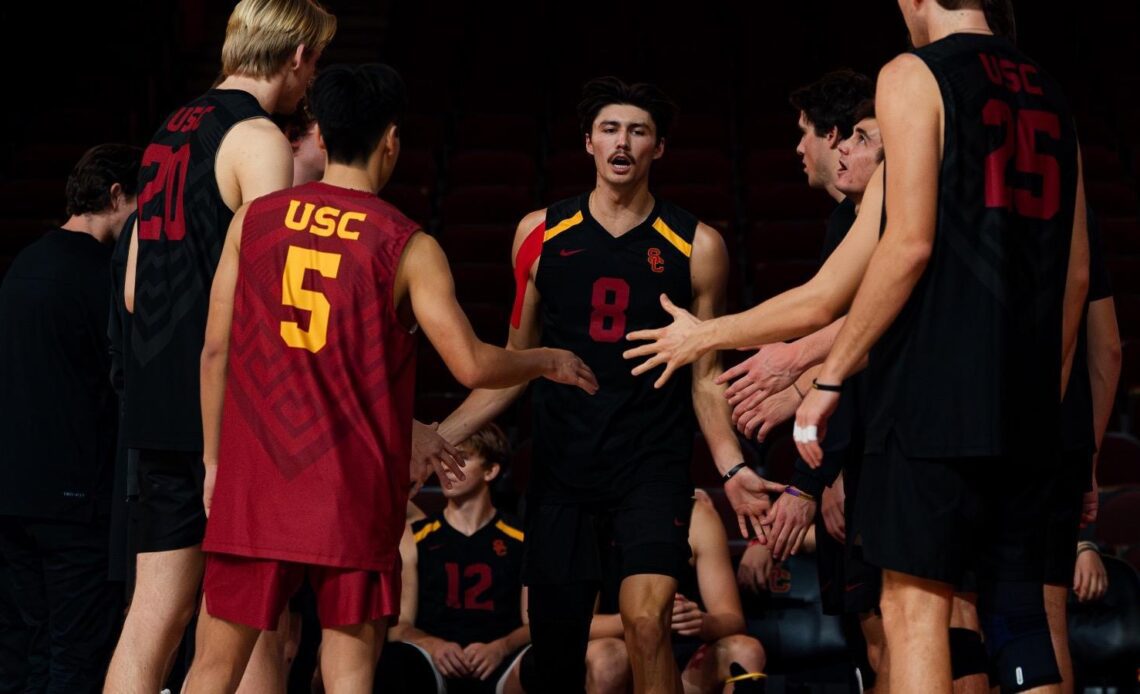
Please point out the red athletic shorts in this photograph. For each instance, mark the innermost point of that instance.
(254, 591)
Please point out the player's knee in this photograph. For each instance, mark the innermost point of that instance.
(1017, 635)
(607, 666)
(743, 649)
(913, 609)
(875, 655)
(646, 633)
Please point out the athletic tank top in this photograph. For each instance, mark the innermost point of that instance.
(182, 224)
(971, 365)
(316, 430)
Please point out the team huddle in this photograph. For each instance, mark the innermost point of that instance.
(936, 369)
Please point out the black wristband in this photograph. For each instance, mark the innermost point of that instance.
(826, 386)
(735, 469)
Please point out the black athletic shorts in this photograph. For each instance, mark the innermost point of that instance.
(1063, 527)
(847, 583)
(169, 513)
(650, 525)
(936, 518)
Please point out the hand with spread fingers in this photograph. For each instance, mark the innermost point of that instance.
(767, 414)
(811, 424)
(673, 346)
(769, 371)
(432, 453)
(748, 493)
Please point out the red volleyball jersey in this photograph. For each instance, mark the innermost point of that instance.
(316, 427)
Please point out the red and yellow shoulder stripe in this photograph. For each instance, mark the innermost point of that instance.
(529, 251)
(426, 530)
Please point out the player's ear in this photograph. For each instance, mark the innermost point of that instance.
(491, 473)
(298, 57)
(589, 144)
(320, 138)
(833, 138)
(659, 149)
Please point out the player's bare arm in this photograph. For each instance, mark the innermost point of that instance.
(909, 106)
(1076, 280)
(1104, 371)
(747, 491)
(254, 159)
(723, 615)
(425, 278)
(794, 313)
(215, 351)
(484, 405)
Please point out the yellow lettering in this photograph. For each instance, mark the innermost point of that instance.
(297, 263)
(324, 221)
(342, 229)
(291, 219)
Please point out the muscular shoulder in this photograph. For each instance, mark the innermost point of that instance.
(903, 79)
(527, 225)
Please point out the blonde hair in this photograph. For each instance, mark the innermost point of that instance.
(261, 35)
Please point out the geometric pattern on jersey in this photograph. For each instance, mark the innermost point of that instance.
(970, 367)
(470, 588)
(594, 288)
(318, 407)
(182, 224)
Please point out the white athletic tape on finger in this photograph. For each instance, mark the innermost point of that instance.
(806, 434)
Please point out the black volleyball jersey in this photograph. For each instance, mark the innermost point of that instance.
(182, 225)
(971, 365)
(596, 288)
(470, 588)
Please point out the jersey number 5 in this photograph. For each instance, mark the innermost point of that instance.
(297, 263)
(1020, 142)
(610, 300)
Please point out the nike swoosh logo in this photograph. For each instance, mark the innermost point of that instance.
(848, 589)
(565, 253)
(678, 523)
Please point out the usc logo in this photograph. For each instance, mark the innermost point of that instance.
(656, 262)
(325, 221)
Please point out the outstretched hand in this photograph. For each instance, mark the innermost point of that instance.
(432, 453)
(748, 494)
(770, 370)
(675, 345)
(567, 368)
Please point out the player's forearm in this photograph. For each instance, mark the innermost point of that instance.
(495, 367)
(213, 393)
(786, 316)
(718, 626)
(1104, 359)
(481, 407)
(891, 276)
(606, 626)
(714, 416)
(516, 639)
(409, 634)
(813, 349)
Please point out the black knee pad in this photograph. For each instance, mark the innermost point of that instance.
(967, 653)
(1017, 635)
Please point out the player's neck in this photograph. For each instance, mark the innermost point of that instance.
(266, 91)
(94, 225)
(619, 209)
(470, 514)
(958, 22)
(352, 177)
(836, 194)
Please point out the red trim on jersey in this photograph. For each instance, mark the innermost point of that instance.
(527, 256)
